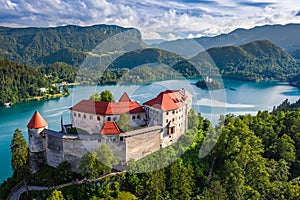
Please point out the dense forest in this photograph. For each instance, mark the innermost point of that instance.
(44, 46)
(19, 82)
(253, 157)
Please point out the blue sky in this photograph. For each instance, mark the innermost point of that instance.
(157, 19)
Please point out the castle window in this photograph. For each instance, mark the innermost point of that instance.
(167, 113)
(173, 119)
(113, 139)
(115, 118)
(98, 118)
(138, 116)
(79, 115)
(91, 117)
(74, 114)
(84, 116)
(167, 121)
(108, 119)
(121, 139)
(173, 112)
(133, 117)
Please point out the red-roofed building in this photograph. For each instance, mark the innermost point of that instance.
(170, 110)
(110, 128)
(91, 115)
(163, 120)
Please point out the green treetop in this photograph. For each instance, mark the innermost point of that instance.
(105, 96)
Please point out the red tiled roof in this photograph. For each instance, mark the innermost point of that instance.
(37, 121)
(108, 108)
(167, 100)
(124, 98)
(110, 128)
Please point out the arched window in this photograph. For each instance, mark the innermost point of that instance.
(133, 117)
(98, 118)
(109, 119)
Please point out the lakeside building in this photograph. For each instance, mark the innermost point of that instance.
(156, 124)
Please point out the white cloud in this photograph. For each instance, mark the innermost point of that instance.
(170, 19)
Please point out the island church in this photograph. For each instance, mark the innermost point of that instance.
(156, 124)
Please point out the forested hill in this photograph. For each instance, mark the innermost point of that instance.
(258, 60)
(19, 82)
(33, 46)
(145, 56)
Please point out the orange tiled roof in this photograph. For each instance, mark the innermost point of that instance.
(110, 128)
(108, 108)
(37, 121)
(167, 100)
(124, 98)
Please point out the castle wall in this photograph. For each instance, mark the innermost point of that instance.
(54, 150)
(36, 143)
(37, 160)
(73, 150)
(141, 145)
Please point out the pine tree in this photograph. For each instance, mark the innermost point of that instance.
(19, 153)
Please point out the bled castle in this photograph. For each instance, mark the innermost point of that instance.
(156, 124)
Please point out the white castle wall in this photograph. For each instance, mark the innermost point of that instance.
(93, 123)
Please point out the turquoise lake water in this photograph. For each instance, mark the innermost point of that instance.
(239, 98)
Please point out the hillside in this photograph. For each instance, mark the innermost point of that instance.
(254, 61)
(146, 56)
(35, 46)
(285, 36)
(19, 82)
(258, 60)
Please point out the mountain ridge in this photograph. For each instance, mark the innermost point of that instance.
(285, 36)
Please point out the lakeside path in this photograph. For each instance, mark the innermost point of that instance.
(19, 189)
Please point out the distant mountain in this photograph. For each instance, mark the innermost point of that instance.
(36, 46)
(285, 36)
(258, 60)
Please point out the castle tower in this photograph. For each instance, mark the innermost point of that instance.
(35, 126)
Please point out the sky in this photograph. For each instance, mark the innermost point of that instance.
(156, 19)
